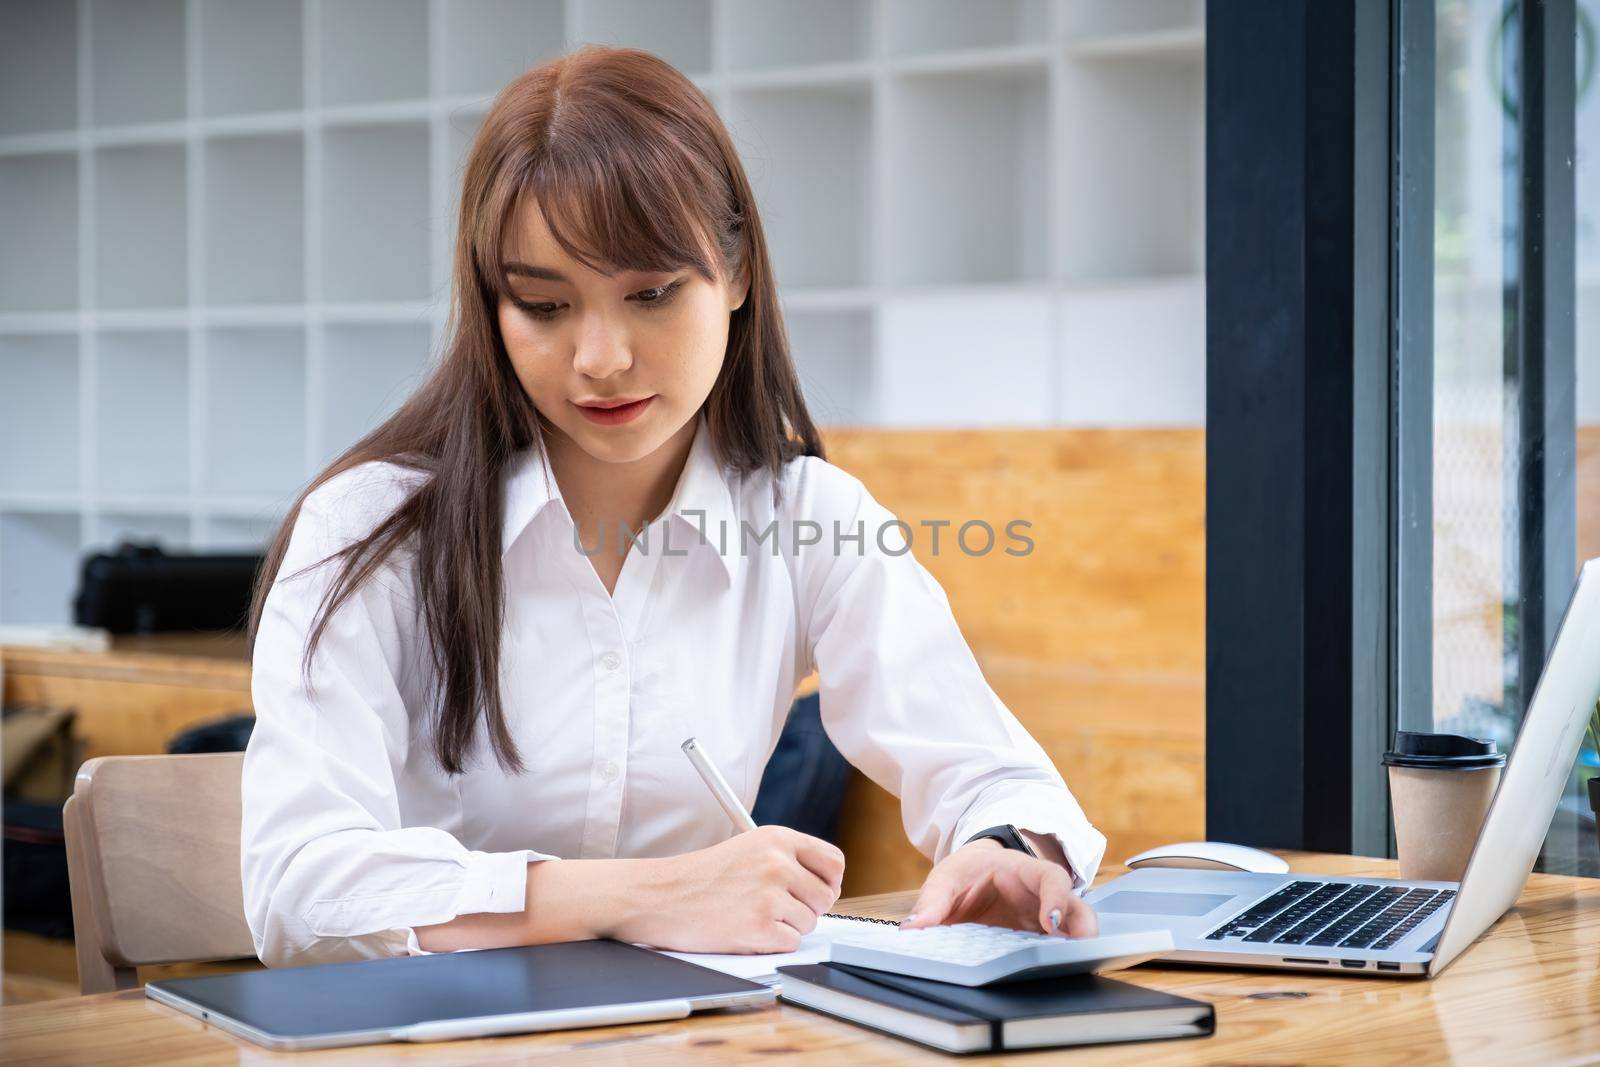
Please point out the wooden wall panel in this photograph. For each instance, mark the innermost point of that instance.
(1116, 577)
(130, 702)
(1096, 640)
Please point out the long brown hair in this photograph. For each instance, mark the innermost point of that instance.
(632, 169)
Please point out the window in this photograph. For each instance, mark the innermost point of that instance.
(1498, 411)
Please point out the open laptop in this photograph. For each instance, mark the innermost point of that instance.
(1376, 925)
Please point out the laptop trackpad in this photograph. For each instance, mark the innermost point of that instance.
(1132, 902)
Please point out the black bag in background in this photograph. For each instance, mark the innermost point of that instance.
(42, 752)
(140, 588)
(37, 898)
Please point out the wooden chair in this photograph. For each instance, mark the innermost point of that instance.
(153, 862)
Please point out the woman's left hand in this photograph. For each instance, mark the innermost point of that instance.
(985, 882)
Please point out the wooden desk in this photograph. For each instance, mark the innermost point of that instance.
(1529, 992)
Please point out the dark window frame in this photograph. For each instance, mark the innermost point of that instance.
(1546, 334)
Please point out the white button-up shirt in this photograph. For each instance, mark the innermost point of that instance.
(353, 836)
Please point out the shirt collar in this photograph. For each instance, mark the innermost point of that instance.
(701, 505)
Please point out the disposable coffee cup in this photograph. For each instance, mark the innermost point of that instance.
(1440, 786)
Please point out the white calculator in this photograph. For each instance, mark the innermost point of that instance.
(972, 954)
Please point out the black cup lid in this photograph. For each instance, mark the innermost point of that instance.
(1443, 752)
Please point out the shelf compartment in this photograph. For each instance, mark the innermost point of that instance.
(38, 567)
(368, 371)
(463, 127)
(142, 412)
(1087, 21)
(255, 411)
(251, 56)
(807, 155)
(969, 167)
(171, 532)
(39, 67)
(39, 216)
(239, 533)
(1133, 168)
(375, 217)
(142, 220)
(780, 33)
(373, 50)
(138, 67)
(1134, 354)
(679, 31)
(488, 43)
(832, 353)
(921, 27)
(39, 413)
(942, 362)
(254, 232)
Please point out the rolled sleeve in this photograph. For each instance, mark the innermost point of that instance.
(465, 883)
(903, 697)
(330, 870)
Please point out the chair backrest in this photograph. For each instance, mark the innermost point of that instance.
(153, 859)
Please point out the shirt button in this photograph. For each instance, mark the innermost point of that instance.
(610, 661)
(608, 771)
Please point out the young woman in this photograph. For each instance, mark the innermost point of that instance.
(471, 686)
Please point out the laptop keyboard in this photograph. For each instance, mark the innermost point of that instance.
(1335, 914)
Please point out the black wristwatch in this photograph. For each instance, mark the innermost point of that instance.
(1007, 835)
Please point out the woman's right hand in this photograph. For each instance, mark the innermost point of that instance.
(759, 891)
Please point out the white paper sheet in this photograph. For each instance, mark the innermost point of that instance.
(814, 948)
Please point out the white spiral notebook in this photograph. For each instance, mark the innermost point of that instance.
(815, 947)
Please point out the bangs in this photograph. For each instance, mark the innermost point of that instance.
(626, 211)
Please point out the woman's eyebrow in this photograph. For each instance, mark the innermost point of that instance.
(547, 274)
(550, 274)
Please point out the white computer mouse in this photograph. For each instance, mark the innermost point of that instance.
(1210, 856)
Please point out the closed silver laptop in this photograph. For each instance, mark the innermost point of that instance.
(1377, 925)
(447, 996)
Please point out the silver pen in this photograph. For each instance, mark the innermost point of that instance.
(718, 785)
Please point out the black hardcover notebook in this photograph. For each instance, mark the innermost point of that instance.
(1080, 1010)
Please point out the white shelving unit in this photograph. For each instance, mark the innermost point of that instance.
(225, 227)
